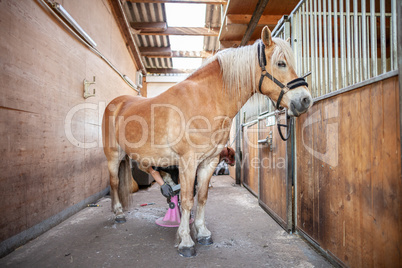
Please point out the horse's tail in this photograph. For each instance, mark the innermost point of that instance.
(126, 182)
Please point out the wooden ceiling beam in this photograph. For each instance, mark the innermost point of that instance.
(245, 19)
(229, 43)
(155, 52)
(179, 31)
(155, 49)
(259, 9)
(149, 26)
(191, 54)
(168, 71)
(209, 2)
(166, 52)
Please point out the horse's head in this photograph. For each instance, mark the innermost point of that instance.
(227, 155)
(276, 60)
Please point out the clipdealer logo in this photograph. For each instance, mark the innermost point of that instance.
(331, 154)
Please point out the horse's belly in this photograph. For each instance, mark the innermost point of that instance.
(159, 158)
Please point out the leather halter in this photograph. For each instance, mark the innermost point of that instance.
(262, 61)
(298, 82)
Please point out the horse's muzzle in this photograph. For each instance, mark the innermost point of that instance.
(301, 106)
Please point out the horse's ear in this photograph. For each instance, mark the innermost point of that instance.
(266, 36)
(288, 40)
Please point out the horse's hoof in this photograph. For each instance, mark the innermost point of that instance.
(207, 240)
(187, 252)
(120, 219)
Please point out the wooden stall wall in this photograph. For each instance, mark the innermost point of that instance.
(45, 169)
(349, 175)
(249, 169)
(272, 196)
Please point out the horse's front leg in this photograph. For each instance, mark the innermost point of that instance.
(204, 173)
(187, 170)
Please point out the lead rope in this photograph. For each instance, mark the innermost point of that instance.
(288, 126)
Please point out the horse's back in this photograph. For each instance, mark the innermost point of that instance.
(126, 100)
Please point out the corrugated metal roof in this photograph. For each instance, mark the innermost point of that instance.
(155, 12)
(212, 20)
(150, 12)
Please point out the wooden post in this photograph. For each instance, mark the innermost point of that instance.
(290, 154)
(238, 153)
(144, 89)
(399, 29)
(259, 9)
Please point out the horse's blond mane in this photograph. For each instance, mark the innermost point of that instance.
(239, 65)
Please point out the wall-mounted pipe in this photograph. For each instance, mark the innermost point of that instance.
(62, 12)
(73, 24)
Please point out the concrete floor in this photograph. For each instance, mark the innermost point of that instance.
(244, 235)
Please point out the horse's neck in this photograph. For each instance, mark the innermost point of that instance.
(229, 100)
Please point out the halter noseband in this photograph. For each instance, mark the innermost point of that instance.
(262, 60)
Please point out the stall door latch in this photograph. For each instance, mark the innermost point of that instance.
(268, 140)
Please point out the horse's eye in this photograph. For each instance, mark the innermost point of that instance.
(281, 64)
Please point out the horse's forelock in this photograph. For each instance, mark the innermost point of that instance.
(283, 50)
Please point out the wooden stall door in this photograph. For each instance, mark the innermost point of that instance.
(249, 170)
(349, 186)
(273, 175)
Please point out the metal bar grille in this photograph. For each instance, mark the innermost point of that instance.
(343, 42)
(383, 37)
(373, 38)
(343, 45)
(356, 41)
(349, 46)
(338, 41)
(364, 41)
(330, 38)
(325, 80)
(394, 58)
(336, 45)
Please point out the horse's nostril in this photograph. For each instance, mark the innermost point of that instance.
(306, 101)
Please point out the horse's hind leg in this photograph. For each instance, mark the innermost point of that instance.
(113, 166)
(204, 174)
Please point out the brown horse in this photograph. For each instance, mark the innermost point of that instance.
(189, 124)
(228, 155)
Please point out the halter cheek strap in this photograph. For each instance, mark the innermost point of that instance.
(262, 60)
